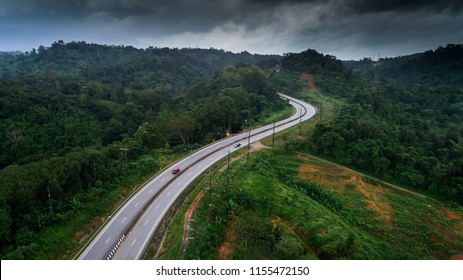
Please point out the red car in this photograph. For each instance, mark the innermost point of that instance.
(175, 171)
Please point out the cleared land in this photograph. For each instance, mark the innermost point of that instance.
(296, 206)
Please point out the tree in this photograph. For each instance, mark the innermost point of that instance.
(183, 126)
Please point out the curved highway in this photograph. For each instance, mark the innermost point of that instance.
(127, 234)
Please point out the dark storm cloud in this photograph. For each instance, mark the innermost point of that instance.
(225, 9)
(345, 28)
(368, 6)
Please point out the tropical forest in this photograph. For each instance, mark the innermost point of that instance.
(376, 173)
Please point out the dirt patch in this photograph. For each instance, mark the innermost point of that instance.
(452, 215)
(334, 176)
(293, 230)
(186, 221)
(375, 197)
(311, 81)
(334, 168)
(303, 157)
(456, 257)
(225, 248)
(449, 233)
(449, 230)
(257, 146)
(455, 218)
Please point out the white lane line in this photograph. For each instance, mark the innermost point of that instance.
(107, 240)
(168, 193)
(123, 220)
(133, 242)
(178, 184)
(200, 165)
(189, 174)
(163, 180)
(137, 204)
(150, 191)
(146, 222)
(157, 207)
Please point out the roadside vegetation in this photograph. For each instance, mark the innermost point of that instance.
(290, 203)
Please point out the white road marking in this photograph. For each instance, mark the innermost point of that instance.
(200, 165)
(146, 222)
(137, 204)
(157, 207)
(189, 174)
(123, 220)
(107, 240)
(150, 191)
(163, 180)
(168, 193)
(133, 242)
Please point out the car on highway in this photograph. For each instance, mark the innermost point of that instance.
(237, 145)
(175, 171)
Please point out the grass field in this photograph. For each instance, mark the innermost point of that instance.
(295, 206)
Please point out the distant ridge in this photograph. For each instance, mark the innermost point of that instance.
(434, 67)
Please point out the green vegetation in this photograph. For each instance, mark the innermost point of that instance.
(293, 206)
(287, 204)
(82, 125)
(406, 134)
(433, 67)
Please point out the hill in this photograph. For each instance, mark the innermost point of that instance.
(286, 203)
(406, 133)
(434, 67)
(290, 205)
(69, 111)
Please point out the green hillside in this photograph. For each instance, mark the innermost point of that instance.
(67, 112)
(291, 203)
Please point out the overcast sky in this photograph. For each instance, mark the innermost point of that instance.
(347, 29)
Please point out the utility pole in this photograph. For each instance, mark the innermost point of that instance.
(49, 200)
(123, 154)
(228, 169)
(209, 216)
(321, 109)
(210, 187)
(194, 236)
(249, 142)
(273, 134)
(300, 120)
(94, 170)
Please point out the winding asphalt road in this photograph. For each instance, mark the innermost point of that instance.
(128, 232)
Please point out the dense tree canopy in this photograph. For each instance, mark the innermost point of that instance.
(68, 111)
(407, 130)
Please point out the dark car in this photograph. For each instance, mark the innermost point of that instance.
(175, 171)
(237, 145)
